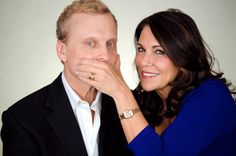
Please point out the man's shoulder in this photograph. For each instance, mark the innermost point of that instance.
(32, 99)
(35, 98)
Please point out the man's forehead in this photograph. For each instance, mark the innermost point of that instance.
(92, 17)
(98, 38)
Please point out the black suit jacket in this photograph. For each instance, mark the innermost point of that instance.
(43, 124)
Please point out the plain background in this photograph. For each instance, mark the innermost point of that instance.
(28, 58)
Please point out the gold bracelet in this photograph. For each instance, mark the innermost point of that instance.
(129, 113)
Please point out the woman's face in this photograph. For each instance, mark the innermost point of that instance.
(154, 67)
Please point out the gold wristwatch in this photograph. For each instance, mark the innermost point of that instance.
(129, 113)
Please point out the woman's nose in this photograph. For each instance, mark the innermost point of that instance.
(146, 61)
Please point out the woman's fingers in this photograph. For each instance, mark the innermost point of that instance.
(101, 75)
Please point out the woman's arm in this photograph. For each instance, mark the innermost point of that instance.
(108, 79)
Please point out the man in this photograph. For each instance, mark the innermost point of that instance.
(69, 117)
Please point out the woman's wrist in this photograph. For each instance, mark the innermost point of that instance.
(121, 92)
(125, 101)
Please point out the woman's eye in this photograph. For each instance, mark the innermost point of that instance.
(160, 52)
(140, 49)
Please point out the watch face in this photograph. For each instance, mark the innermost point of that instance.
(128, 114)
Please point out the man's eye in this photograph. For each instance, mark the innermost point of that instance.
(110, 44)
(90, 43)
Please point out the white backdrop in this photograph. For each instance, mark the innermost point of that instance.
(28, 58)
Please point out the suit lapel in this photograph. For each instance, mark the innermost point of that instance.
(109, 121)
(112, 141)
(63, 121)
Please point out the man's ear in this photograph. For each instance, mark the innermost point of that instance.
(61, 50)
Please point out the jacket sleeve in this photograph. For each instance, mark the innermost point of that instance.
(16, 140)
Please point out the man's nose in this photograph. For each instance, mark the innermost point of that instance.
(103, 54)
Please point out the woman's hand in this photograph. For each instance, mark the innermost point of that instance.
(103, 76)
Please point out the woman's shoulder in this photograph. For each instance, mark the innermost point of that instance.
(211, 87)
(215, 83)
(211, 93)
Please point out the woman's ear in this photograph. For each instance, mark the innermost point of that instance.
(61, 51)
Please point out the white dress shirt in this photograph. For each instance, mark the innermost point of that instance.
(82, 110)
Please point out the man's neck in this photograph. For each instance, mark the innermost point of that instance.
(83, 90)
(90, 95)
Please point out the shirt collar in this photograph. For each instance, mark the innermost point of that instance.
(75, 99)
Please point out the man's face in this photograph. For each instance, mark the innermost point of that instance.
(92, 36)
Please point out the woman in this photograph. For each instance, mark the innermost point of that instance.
(187, 107)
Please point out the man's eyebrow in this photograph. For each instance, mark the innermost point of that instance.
(113, 39)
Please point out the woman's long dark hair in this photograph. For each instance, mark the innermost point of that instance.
(180, 38)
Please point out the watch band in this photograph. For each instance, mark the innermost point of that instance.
(129, 113)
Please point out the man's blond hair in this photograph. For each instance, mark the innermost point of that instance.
(79, 6)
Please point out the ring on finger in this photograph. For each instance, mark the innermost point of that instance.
(92, 76)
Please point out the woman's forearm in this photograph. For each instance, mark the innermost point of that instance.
(135, 124)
